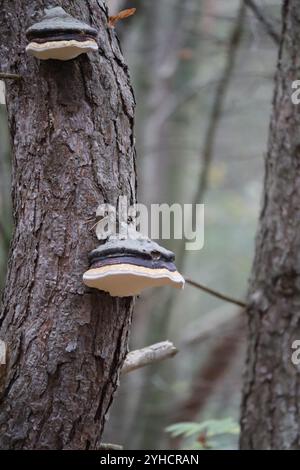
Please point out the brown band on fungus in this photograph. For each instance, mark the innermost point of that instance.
(152, 264)
(152, 256)
(63, 37)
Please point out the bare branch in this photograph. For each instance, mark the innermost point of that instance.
(110, 447)
(149, 355)
(263, 20)
(9, 76)
(215, 293)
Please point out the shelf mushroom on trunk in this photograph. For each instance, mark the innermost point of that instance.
(125, 267)
(60, 36)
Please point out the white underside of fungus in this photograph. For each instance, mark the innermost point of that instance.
(61, 50)
(124, 280)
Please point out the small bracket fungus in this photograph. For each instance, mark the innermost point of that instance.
(60, 36)
(124, 267)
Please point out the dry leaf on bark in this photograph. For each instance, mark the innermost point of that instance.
(121, 16)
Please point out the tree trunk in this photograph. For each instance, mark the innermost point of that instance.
(5, 206)
(270, 407)
(71, 127)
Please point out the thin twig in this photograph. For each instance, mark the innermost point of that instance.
(215, 293)
(9, 76)
(149, 355)
(263, 20)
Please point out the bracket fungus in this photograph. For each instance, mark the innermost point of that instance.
(60, 36)
(124, 267)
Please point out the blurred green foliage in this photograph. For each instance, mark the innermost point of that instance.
(211, 434)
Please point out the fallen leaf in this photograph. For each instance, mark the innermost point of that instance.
(121, 16)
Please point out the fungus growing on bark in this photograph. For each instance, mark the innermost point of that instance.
(60, 36)
(126, 267)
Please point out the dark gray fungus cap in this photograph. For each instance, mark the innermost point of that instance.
(144, 248)
(57, 20)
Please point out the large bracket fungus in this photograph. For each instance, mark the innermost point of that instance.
(60, 36)
(124, 267)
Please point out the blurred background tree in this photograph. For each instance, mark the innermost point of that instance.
(270, 411)
(203, 77)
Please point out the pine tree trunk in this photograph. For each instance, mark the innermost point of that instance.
(71, 127)
(270, 408)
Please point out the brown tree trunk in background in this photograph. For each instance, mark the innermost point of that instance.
(208, 376)
(270, 408)
(71, 126)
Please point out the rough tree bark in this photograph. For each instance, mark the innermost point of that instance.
(5, 207)
(270, 407)
(71, 127)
